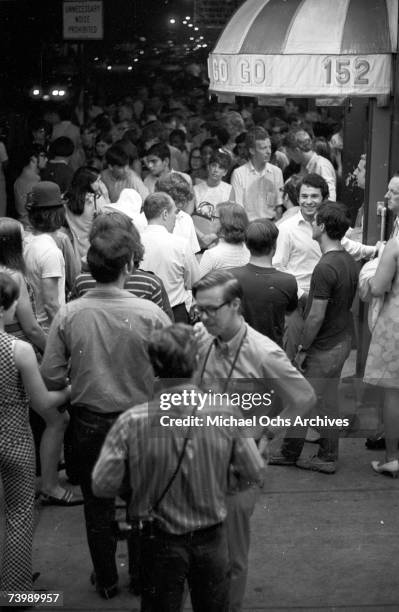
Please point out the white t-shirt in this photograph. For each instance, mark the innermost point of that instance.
(44, 260)
(185, 228)
(213, 195)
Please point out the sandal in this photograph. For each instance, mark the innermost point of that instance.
(67, 499)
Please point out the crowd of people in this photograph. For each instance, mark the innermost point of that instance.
(174, 246)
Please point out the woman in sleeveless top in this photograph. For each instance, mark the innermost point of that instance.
(19, 376)
(382, 366)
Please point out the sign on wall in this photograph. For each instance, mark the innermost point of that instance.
(300, 75)
(83, 20)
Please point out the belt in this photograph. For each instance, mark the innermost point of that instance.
(86, 411)
(152, 528)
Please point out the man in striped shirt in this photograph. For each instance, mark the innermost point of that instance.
(142, 284)
(178, 476)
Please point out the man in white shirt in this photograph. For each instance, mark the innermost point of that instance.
(158, 163)
(297, 253)
(175, 185)
(170, 257)
(298, 146)
(257, 184)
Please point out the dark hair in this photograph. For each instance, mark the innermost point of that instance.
(180, 133)
(61, 147)
(220, 278)
(261, 237)
(155, 203)
(175, 185)
(209, 142)
(115, 156)
(291, 140)
(160, 150)
(46, 219)
(9, 290)
(233, 222)
(222, 135)
(173, 351)
(316, 181)
(11, 244)
(191, 155)
(33, 151)
(291, 188)
(222, 159)
(104, 137)
(335, 219)
(116, 220)
(257, 133)
(109, 251)
(321, 146)
(80, 186)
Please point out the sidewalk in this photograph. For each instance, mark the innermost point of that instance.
(319, 542)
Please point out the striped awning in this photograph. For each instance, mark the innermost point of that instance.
(307, 48)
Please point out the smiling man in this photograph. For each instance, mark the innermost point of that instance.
(325, 341)
(257, 184)
(298, 254)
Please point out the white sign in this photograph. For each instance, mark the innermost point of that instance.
(83, 20)
(300, 75)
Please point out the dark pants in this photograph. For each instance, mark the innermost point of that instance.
(200, 557)
(323, 370)
(90, 430)
(180, 313)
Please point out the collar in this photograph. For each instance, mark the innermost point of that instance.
(58, 161)
(253, 170)
(230, 348)
(154, 227)
(312, 159)
(299, 218)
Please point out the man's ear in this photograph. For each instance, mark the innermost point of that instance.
(130, 267)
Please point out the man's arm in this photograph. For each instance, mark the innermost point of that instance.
(191, 268)
(281, 257)
(54, 367)
(110, 468)
(246, 460)
(237, 187)
(358, 250)
(313, 322)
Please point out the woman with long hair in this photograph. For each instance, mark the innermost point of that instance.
(19, 378)
(24, 326)
(84, 199)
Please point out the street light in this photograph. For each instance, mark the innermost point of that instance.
(172, 20)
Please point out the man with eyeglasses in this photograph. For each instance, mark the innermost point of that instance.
(235, 358)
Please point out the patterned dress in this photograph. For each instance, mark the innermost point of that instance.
(382, 366)
(17, 472)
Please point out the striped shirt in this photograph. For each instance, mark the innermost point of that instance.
(196, 498)
(142, 284)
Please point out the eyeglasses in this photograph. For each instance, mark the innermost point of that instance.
(210, 311)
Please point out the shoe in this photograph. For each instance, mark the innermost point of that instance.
(67, 499)
(104, 592)
(317, 465)
(376, 443)
(391, 467)
(280, 459)
(312, 435)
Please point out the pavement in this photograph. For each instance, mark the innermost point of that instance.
(319, 542)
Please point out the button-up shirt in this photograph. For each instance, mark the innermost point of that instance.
(171, 258)
(260, 366)
(104, 334)
(258, 192)
(297, 253)
(320, 165)
(196, 498)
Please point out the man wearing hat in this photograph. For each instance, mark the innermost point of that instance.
(45, 264)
